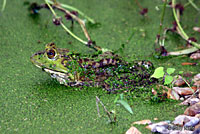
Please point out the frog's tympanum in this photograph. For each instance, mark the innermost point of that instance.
(105, 70)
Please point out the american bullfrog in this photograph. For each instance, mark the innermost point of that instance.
(106, 70)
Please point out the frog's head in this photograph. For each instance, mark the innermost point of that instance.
(50, 58)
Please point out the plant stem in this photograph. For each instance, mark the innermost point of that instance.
(66, 29)
(194, 5)
(185, 36)
(185, 51)
(73, 35)
(162, 17)
(177, 20)
(4, 5)
(107, 112)
(188, 84)
(75, 9)
(81, 22)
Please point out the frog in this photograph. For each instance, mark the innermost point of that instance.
(106, 70)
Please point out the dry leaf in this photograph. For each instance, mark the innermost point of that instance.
(188, 63)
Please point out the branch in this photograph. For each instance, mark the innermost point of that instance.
(183, 34)
(107, 112)
(74, 9)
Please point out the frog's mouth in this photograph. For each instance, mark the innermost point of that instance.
(35, 57)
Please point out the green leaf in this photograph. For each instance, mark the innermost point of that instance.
(125, 105)
(122, 96)
(158, 73)
(116, 99)
(180, 72)
(168, 79)
(170, 70)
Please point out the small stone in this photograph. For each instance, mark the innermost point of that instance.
(143, 122)
(181, 132)
(155, 119)
(160, 127)
(183, 90)
(197, 29)
(197, 77)
(190, 101)
(195, 56)
(193, 122)
(133, 130)
(171, 94)
(199, 95)
(179, 82)
(196, 131)
(197, 126)
(187, 96)
(180, 120)
(194, 101)
(197, 83)
(197, 115)
(187, 120)
(193, 110)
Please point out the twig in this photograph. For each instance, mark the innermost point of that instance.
(88, 43)
(182, 52)
(55, 15)
(97, 104)
(75, 9)
(107, 112)
(180, 28)
(194, 5)
(81, 22)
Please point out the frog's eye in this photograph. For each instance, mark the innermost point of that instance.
(51, 54)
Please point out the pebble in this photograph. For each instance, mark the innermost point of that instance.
(160, 127)
(181, 132)
(197, 77)
(171, 94)
(133, 130)
(195, 56)
(183, 90)
(197, 131)
(193, 122)
(193, 110)
(187, 120)
(179, 82)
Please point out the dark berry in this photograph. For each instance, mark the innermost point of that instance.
(144, 11)
(57, 21)
(180, 7)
